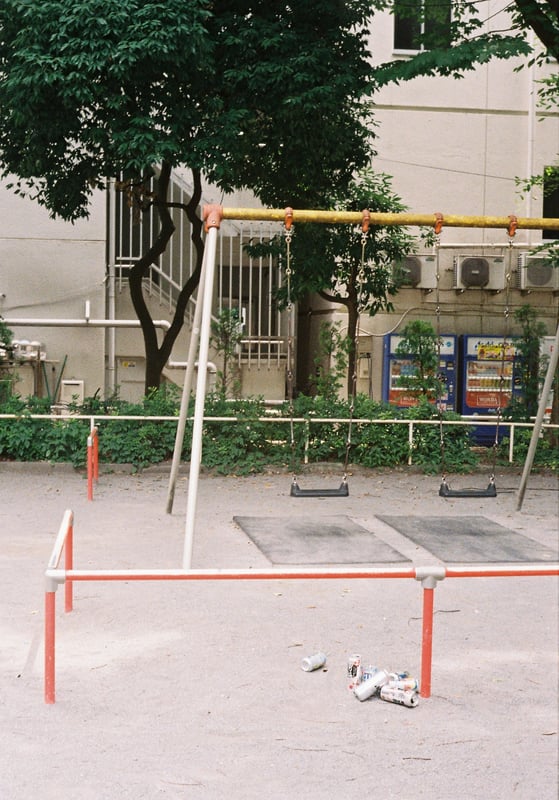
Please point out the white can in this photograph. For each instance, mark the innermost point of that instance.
(406, 685)
(371, 686)
(399, 696)
(353, 665)
(310, 663)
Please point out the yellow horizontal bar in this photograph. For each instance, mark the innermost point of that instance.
(376, 218)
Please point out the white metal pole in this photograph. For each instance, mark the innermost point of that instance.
(197, 430)
(187, 388)
(548, 383)
(111, 291)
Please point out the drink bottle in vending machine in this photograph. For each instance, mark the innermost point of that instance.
(396, 366)
(490, 377)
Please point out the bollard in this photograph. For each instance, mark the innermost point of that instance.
(92, 461)
(428, 577)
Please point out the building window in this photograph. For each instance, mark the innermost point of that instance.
(551, 199)
(421, 24)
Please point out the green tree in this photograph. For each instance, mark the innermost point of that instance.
(468, 41)
(346, 267)
(330, 361)
(529, 346)
(420, 341)
(6, 336)
(249, 94)
(226, 337)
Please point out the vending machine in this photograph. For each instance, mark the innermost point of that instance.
(396, 366)
(490, 377)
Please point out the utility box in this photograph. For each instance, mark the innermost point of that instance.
(72, 391)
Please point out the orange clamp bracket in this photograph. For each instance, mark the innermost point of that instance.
(288, 218)
(513, 225)
(366, 220)
(212, 214)
(439, 220)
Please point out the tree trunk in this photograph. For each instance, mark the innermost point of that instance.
(352, 322)
(158, 355)
(352, 306)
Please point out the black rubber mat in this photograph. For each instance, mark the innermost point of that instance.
(462, 540)
(317, 540)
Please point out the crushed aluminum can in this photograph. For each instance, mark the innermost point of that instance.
(370, 687)
(398, 696)
(406, 685)
(316, 661)
(399, 676)
(368, 672)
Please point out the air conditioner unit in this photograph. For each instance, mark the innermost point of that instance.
(419, 272)
(535, 272)
(479, 272)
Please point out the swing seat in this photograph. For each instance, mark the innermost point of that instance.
(342, 491)
(446, 491)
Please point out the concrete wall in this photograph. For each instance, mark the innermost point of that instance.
(49, 269)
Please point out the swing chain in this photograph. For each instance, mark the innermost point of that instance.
(437, 246)
(288, 235)
(511, 230)
(366, 216)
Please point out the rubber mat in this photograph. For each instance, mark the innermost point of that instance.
(461, 540)
(317, 540)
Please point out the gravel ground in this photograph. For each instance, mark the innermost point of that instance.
(195, 690)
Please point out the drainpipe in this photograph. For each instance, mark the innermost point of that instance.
(532, 94)
(111, 293)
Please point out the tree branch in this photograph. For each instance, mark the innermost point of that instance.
(543, 19)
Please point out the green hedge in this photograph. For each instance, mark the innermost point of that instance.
(247, 444)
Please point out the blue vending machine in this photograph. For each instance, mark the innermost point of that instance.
(396, 366)
(484, 359)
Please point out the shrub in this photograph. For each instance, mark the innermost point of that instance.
(246, 444)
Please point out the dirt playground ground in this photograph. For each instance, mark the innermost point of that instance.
(195, 690)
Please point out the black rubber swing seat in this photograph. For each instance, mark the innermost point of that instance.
(446, 491)
(342, 491)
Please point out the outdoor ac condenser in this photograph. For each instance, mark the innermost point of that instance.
(534, 272)
(419, 272)
(479, 272)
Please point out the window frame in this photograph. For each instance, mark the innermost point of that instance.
(421, 27)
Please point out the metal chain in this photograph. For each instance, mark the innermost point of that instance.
(506, 336)
(360, 300)
(290, 339)
(437, 246)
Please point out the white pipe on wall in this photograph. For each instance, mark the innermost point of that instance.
(111, 291)
(52, 322)
(86, 322)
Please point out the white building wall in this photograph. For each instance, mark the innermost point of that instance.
(50, 269)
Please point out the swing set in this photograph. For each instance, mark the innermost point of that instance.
(343, 489)
(201, 331)
(445, 489)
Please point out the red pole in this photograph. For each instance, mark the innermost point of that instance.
(96, 455)
(69, 564)
(427, 643)
(50, 598)
(90, 467)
